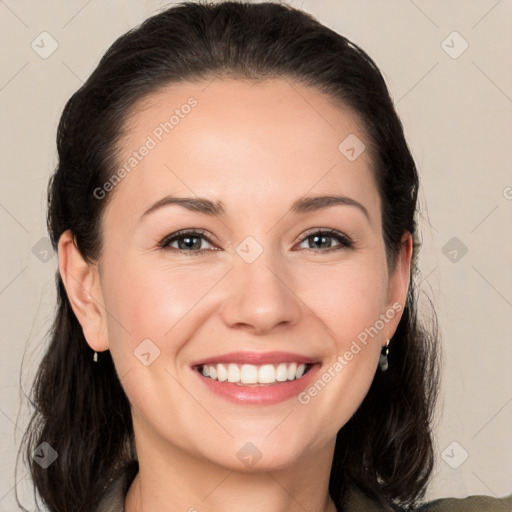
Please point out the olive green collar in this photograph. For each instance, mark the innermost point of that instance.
(355, 501)
(113, 499)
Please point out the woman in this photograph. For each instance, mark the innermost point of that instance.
(234, 213)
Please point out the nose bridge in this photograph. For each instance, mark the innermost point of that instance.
(259, 294)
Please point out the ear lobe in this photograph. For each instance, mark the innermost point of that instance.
(81, 281)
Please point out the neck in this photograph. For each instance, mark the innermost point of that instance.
(171, 479)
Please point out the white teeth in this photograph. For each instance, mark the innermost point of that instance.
(233, 373)
(251, 374)
(281, 373)
(267, 374)
(222, 373)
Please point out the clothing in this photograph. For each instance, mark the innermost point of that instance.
(113, 501)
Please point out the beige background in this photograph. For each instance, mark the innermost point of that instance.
(457, 115)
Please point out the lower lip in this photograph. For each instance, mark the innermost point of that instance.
(260, 394)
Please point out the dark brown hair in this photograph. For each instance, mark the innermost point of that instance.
(81, 409)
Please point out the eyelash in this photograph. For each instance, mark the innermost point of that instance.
(344, 241)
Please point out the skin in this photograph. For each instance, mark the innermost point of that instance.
(257, 148)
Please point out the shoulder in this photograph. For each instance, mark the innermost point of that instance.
(475, 503)
(357, 501)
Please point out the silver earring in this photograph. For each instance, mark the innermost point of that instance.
(383, 359)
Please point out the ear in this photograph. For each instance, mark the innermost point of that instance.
(399, 281)
(82, 283)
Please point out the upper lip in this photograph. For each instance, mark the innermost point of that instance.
(256, 358)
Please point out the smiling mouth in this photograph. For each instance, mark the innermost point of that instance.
(254, 375)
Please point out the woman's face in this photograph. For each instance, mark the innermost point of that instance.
(269, 279)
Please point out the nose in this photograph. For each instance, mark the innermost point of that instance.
(260, 296)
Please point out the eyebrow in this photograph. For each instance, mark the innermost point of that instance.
(216, 208)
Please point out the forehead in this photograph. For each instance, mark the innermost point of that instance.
(242, 141)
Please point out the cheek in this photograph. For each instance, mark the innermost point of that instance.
(348, 305)
(155, 301)
(349, 302)
(151, 301)
(347, 298)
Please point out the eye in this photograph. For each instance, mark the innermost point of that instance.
(321, 239)
(188, 242)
